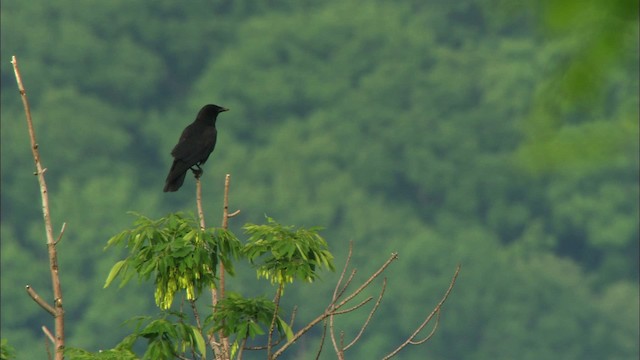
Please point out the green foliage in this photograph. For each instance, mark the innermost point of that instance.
(7, 352)
(181, 256)
(246, 318)
(283, 253)
(176, 252)
(113, 354)
(166, 336)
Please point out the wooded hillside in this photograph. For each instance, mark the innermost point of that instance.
(500, 137)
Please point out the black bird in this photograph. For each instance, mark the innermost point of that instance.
(194, 147)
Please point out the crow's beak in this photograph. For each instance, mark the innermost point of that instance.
(224, 109)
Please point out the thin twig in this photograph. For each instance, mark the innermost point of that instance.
(340, 349)
(332, 336)
(293, 316)
(394, 256)
(433, 331)
(64, 226)
(43, 304)
(215, 346)
(199, 202)
(51, 247)
(373, 310)
(324, 335)
(353, 308)
(435, 311)
(225, 226)
(344, 270)
(196, 315)
(276, 301)
(332, 308)
(48, 333)
(47, 347)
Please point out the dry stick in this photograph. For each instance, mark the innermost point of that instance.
(51, 243)
(198, 323)
(34, 295)
(436, 311)
(225, 226)
(48, 334)
(333, 308)
(340, 349)
(324, 335)
(199, 202)
(373, 310)
(215, 346)
(276, 301)
(336, 292)
(394, 256)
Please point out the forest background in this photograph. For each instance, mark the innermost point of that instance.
(499, 136)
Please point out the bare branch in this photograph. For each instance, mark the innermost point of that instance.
(436, 311)
(43, 304)
(347, 283)
(293, 316)
(199, 203)
(433, 331)
(51, 247)
(276, 301)
(336, 295)
(324, 335)
(64, 226)
(47, 347)
(196, 315)
(332, 336)
(373, 310)
(332, 308)
(353, 308)
(225, 225)
(48, 333)
(218, 350)
(394, 256)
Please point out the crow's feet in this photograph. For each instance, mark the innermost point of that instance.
(197, 172)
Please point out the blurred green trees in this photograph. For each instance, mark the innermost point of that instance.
(500, 137)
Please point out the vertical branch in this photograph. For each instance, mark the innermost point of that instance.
(217, 350)
(273, 319)
(225, 226)
(51, 243)
(436, 312)
(222, 349)
(199, 202)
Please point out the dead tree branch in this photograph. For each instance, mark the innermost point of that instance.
(51, 242)
(334, 307)
(34, 295)
(435, 312)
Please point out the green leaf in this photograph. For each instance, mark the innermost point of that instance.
(197, 336)
(285, 328)
(115, 270)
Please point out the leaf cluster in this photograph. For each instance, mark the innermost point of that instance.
(174, 250)
(246, 318)
(282, 253)
(166, 339)
(179, 255)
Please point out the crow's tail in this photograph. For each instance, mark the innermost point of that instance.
(176, 176)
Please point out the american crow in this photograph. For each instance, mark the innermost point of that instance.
(194, 147)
